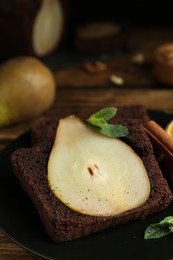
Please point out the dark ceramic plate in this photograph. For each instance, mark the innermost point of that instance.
(20, 222)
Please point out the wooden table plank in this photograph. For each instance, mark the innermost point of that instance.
(71, 100)
(10, 251)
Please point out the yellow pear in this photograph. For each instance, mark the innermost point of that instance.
(27, 89)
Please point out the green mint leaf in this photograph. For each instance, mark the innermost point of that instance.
(106, 113)
(171, 228)
(160, 229)
(98, 122)
(167, 221)
(114, 130)
(102, 116)
(156, 231)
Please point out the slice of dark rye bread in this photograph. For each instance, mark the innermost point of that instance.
(61, 222)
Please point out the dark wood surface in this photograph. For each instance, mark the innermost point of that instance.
(77, 89)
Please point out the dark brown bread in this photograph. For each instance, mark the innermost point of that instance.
(62, 223)
(45, 129)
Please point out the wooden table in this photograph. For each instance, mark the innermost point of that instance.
(77, 89)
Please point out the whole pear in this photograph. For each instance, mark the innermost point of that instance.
(27, 89)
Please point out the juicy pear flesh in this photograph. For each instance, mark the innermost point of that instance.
(48, 26)
(94, 174)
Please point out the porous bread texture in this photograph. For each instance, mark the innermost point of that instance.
(61, 222)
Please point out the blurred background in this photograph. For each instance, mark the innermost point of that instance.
(144, 12)
(17, 19)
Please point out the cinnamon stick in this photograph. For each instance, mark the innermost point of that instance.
(161, 138)
(164, 143)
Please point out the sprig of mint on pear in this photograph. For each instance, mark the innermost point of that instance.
(99, 122)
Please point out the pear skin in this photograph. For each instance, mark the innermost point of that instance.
(27, 89)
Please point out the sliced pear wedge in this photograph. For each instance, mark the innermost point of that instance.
(94, 174)
(48, 27)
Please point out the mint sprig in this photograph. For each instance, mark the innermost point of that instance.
(159, 229)
(99, 122)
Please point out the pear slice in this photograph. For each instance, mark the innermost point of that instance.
(94, 174)
(48, 27)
